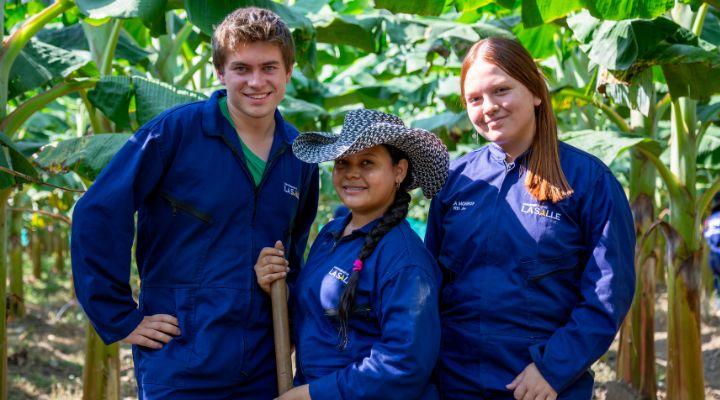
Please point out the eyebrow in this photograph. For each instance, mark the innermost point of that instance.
(366, 153)
(242, 64)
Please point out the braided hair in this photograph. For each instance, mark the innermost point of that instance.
(393, 215)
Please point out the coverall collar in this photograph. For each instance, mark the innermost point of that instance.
(337, 230)
(499, 155)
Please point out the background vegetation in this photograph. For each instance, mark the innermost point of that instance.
(634, 82)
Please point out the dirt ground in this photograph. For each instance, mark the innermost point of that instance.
(45, 349)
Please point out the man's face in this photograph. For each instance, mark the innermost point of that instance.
(255, 77)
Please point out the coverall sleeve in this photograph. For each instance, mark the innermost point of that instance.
(607, 285)
(103, 230)
(400, 363)
(434, 231)
(303, 222)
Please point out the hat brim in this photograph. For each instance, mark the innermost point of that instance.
(428, 155)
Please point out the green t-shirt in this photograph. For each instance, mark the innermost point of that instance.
(255, 164)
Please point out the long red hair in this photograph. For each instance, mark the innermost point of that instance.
(545, 179)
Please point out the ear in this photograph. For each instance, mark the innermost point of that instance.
(536, 101)
(401, 170)
(221, 75)
(289, 74)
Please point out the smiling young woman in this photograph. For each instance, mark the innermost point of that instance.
(365, 304)
(535, 240)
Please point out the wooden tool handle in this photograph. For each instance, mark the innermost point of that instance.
(281, 329)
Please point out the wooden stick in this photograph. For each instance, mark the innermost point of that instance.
(281, 329)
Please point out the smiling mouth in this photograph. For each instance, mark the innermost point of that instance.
(257, 96)
(353, 189)
(494, 120)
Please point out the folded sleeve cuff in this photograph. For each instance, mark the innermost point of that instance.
(557, 381)
(124, 328)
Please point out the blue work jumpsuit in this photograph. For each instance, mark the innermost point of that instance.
(527, 281)
(201, 223)
(712, 237)
(394, 330)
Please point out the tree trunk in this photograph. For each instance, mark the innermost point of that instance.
(685, 379)
(16, 296)
(36, 253)
(4, 195)
(59, 239)
(636, 351)
(101, 375)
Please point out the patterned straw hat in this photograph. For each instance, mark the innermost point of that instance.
(363, 129)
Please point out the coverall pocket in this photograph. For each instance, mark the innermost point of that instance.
(553, 290)
(219, 334)
(167, 366)
(179, 206)
(535, 270)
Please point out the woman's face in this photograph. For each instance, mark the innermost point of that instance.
(501, 108)
(365, 181)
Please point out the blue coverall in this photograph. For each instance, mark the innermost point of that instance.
(394, 328)
(527, 281)
(712, 237)
(201, 223)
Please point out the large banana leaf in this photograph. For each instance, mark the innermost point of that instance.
(627, 48)
(113, 94)
(428, 7)
(691, 71)
(636, 95)
(444, 122)
(73, 38)
(154, 97)
(151, 12)
(605, 145)
(40, 63)
(302, 114)
(538, 12)
(86, 155)
(355, 31)
(12, 158)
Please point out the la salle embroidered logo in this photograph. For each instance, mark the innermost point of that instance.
(540, 210)
(339, 274)
(291, 190)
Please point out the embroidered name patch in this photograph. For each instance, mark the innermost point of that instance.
(339, 274)
(291, 190)
(542, 211)
(462, 205)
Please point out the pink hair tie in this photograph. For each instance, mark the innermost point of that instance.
(357, 265)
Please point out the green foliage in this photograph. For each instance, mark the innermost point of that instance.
(113, 95)
(429, 7)
(537, 12)
(74, 38)
(605, 145)
(627, 48)
(12, 158)
(151, 12)
(40, 63)
(86, 156)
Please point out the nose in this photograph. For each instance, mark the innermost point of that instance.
(352, 172)
(490, 107)
(255, 78)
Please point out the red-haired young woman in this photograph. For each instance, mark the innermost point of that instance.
(535, 240)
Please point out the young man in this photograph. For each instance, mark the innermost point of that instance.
(212, 182)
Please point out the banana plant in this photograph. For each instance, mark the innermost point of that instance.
(673, 45)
